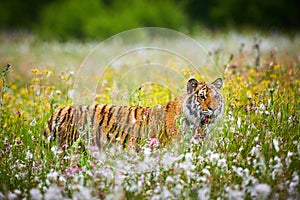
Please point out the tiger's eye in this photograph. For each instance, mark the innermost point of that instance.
(201, 95)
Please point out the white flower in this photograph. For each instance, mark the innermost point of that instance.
(12, 196)
(234, 194)
(239, 121)
(166, 194)
(52, 175)
(276, 144)
(222, 163)
(206, 172)
(35, 194)
(53, 193)
(147, 151)
(71, 94)
(293, 186)
(33, 122)
(83, 193)
(169, 179)
(29, 155)
(204, 193)
(288, 159)
(261, 191)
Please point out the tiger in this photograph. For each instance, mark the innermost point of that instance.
(103, 124)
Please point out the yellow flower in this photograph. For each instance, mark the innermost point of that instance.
(35, 71)
(276, 67)
(35, 80)
(47, 72)
(273, 76)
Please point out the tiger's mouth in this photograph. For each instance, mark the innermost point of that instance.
(206, 120)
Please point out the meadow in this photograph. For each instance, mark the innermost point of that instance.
(252, 153)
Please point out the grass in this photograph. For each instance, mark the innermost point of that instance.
(254, 152)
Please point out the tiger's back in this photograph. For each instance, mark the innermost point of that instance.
(103, 124)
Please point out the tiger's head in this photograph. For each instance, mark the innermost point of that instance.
(203, 103)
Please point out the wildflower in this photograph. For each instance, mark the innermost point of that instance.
(234, 193)
(261, 191)
(94, 148)
(288, 158)
(29, 155)
(239, 122)
(52, 175)
(154, 143)
(74, 170)
(206, 172)
(279, 115)
(47, 72)
(53, 193)
(249, 95)
(147, 151)
(58, 92)
(12, 196)
(33, 122)
(35, 71)
(276, 144)
(204, 193)
(18, 113)
(83, 193)
(222, 163)
(35, 194)
(293, 185)
(169, 179)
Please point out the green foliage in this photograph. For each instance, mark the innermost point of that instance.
(99, 19)
(94, 19)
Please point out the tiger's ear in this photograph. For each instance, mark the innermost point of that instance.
(192, 85)
(218, 83)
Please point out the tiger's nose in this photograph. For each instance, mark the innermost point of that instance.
(209, 112)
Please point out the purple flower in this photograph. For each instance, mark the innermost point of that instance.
(154, 143)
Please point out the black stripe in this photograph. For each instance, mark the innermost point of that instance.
(70, 131)
(56, 125)
(66, 116)
(98, 137)
(110, 113)
(140, 123)
(69, 120)
(128, 116)
(135, 112)
(168, 106)
(93, 115)
(80, 116)
(148, 110)
(127, 121)
(116, 123)
(126, 138)
(87, 123)
(58, 116)
(103, 116)
(86, 112)
(135, 116)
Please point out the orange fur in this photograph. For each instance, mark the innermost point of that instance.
(104, 124)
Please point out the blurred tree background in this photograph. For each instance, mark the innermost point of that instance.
(99, 19)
